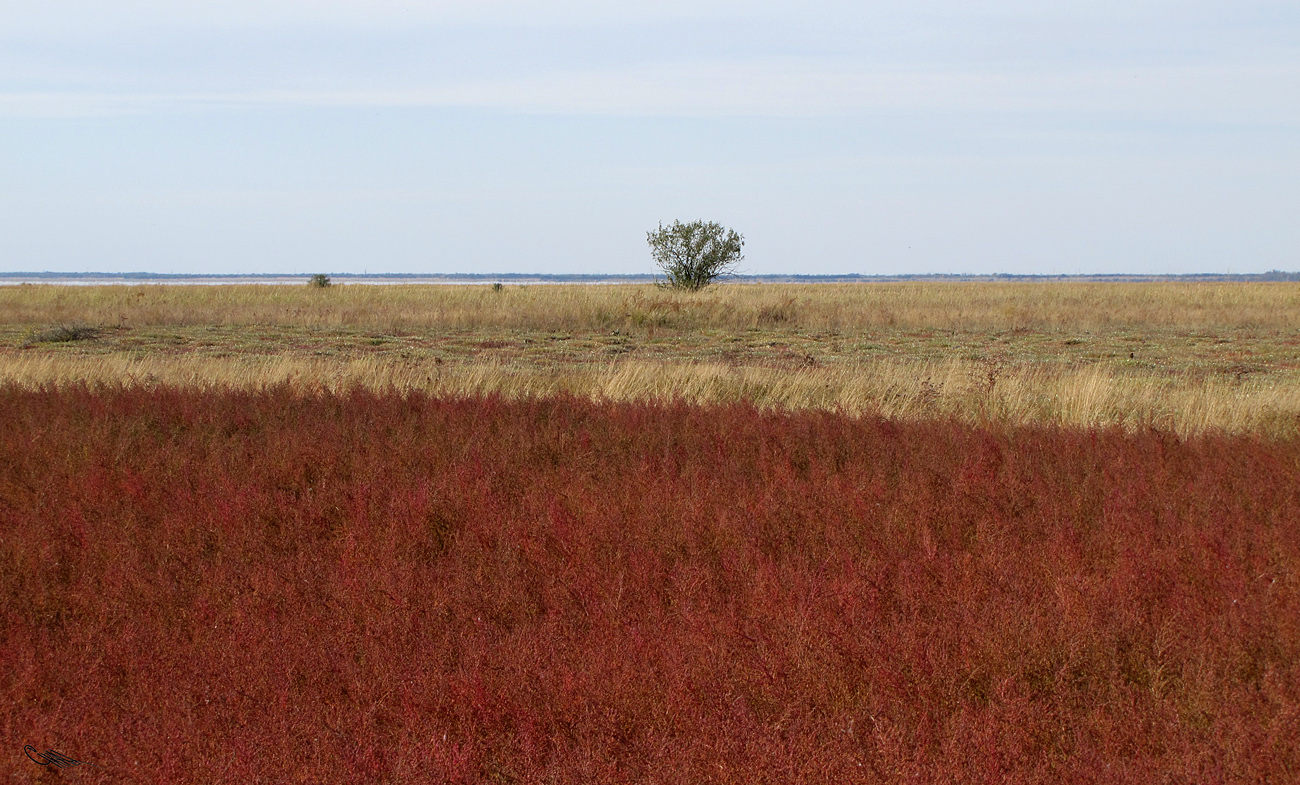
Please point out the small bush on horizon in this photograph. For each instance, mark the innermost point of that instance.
(695, 254)
(319, 281)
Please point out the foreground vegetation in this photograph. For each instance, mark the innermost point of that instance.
(236, 587)
(1185, 357)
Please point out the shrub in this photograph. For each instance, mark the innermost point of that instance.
(695, 254)
(64, 333)
(319, 281)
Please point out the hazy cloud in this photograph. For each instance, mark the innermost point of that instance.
(1235, 93)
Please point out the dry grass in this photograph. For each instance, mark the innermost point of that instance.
(1183, 357)
(930, 305)
(971, 391)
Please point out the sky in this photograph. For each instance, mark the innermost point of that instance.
(549, 136)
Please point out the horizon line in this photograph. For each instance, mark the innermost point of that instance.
(1270, 276)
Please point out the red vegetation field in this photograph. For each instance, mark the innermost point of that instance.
(243, 588)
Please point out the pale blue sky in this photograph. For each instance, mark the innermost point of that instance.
(499, 136)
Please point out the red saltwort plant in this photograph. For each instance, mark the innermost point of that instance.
(236, 587)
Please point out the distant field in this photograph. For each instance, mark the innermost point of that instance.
(817, 307)
(225, 587)
(1188, 357)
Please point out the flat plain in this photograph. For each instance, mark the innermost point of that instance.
(805, 534)
(1187, 357)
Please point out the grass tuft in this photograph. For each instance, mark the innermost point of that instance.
(63, 333)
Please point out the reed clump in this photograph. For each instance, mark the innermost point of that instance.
(62, 333)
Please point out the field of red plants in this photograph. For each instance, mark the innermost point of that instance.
(266, 587)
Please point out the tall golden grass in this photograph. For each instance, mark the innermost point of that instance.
(1089, 396)
(948, 306)
(1055, 392)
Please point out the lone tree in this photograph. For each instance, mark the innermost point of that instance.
(693, 255)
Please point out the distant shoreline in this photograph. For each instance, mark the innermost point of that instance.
(94, 278)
